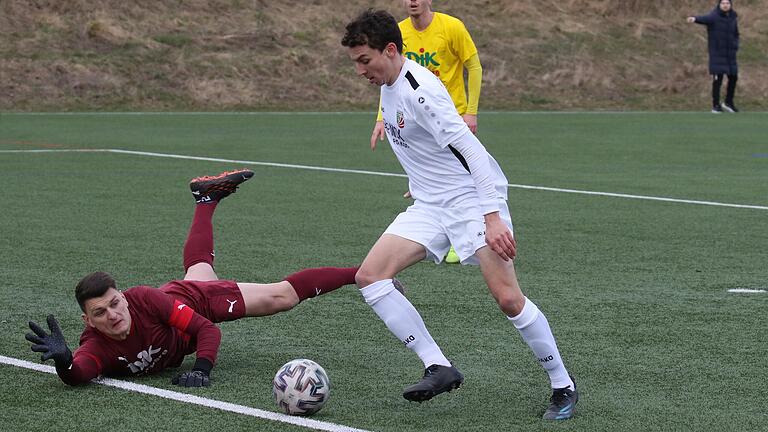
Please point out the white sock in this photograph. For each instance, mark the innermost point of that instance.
(403, 320)
(534, 328)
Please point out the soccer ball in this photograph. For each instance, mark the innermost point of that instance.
(301, 387)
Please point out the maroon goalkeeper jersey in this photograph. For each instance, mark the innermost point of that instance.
(163, 331)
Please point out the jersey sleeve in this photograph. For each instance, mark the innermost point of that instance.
(86, 365)
(434, 110)
(462, 42)
(379, 114)
(182, 317)
(478, 161)
(474, 82)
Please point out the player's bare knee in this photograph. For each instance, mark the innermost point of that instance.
(511, 303)
(364, 277)
(200, 272)
(278, 304)
(282, 304)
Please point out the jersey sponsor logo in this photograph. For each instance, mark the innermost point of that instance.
(231, 304)
(145, 360)
(424, 58)
(394, 135)
(400, 120)
(182, 306)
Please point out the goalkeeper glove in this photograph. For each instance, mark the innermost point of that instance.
(199, 376)
(53, 346)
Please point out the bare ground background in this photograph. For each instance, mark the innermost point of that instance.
(270, 55)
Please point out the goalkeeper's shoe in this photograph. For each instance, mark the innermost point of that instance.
(562, 404)
(437, 379)
(208, 189)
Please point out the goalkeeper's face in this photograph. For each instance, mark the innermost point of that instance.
(109, 314)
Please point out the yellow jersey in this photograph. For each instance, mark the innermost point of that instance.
(443, 48)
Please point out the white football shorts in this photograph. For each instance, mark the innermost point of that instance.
(437, 228)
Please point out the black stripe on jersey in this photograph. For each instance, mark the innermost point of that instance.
(412, 80)
(460, 157)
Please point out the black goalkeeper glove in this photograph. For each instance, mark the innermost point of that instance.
(53, 346)
(199, 376)
(195, 378)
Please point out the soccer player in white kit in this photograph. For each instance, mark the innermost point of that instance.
(460, 197)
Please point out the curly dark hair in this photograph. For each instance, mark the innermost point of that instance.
(375, 28)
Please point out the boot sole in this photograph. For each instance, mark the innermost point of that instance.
(425, 395)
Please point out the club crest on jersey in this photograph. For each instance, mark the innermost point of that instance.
(400, 120)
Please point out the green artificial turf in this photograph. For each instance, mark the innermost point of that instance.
(634, 289)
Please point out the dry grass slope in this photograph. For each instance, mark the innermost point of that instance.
(264, 55)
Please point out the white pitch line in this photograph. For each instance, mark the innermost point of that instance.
(746, 290)
(247, 162)
(56, 151)
(518, 186)
(385, 174)
(195, 400)
(643, 197)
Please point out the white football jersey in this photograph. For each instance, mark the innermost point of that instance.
(421, 123)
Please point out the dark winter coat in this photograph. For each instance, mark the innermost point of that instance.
(723, 40)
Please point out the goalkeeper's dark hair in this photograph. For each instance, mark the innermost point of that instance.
(92, 286)
(375, 28)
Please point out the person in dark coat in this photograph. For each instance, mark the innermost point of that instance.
(723, 41)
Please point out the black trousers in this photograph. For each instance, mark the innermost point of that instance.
(717, 82)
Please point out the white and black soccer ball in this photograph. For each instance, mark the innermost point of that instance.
(301, 387)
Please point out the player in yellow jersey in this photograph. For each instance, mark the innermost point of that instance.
(442, 44)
